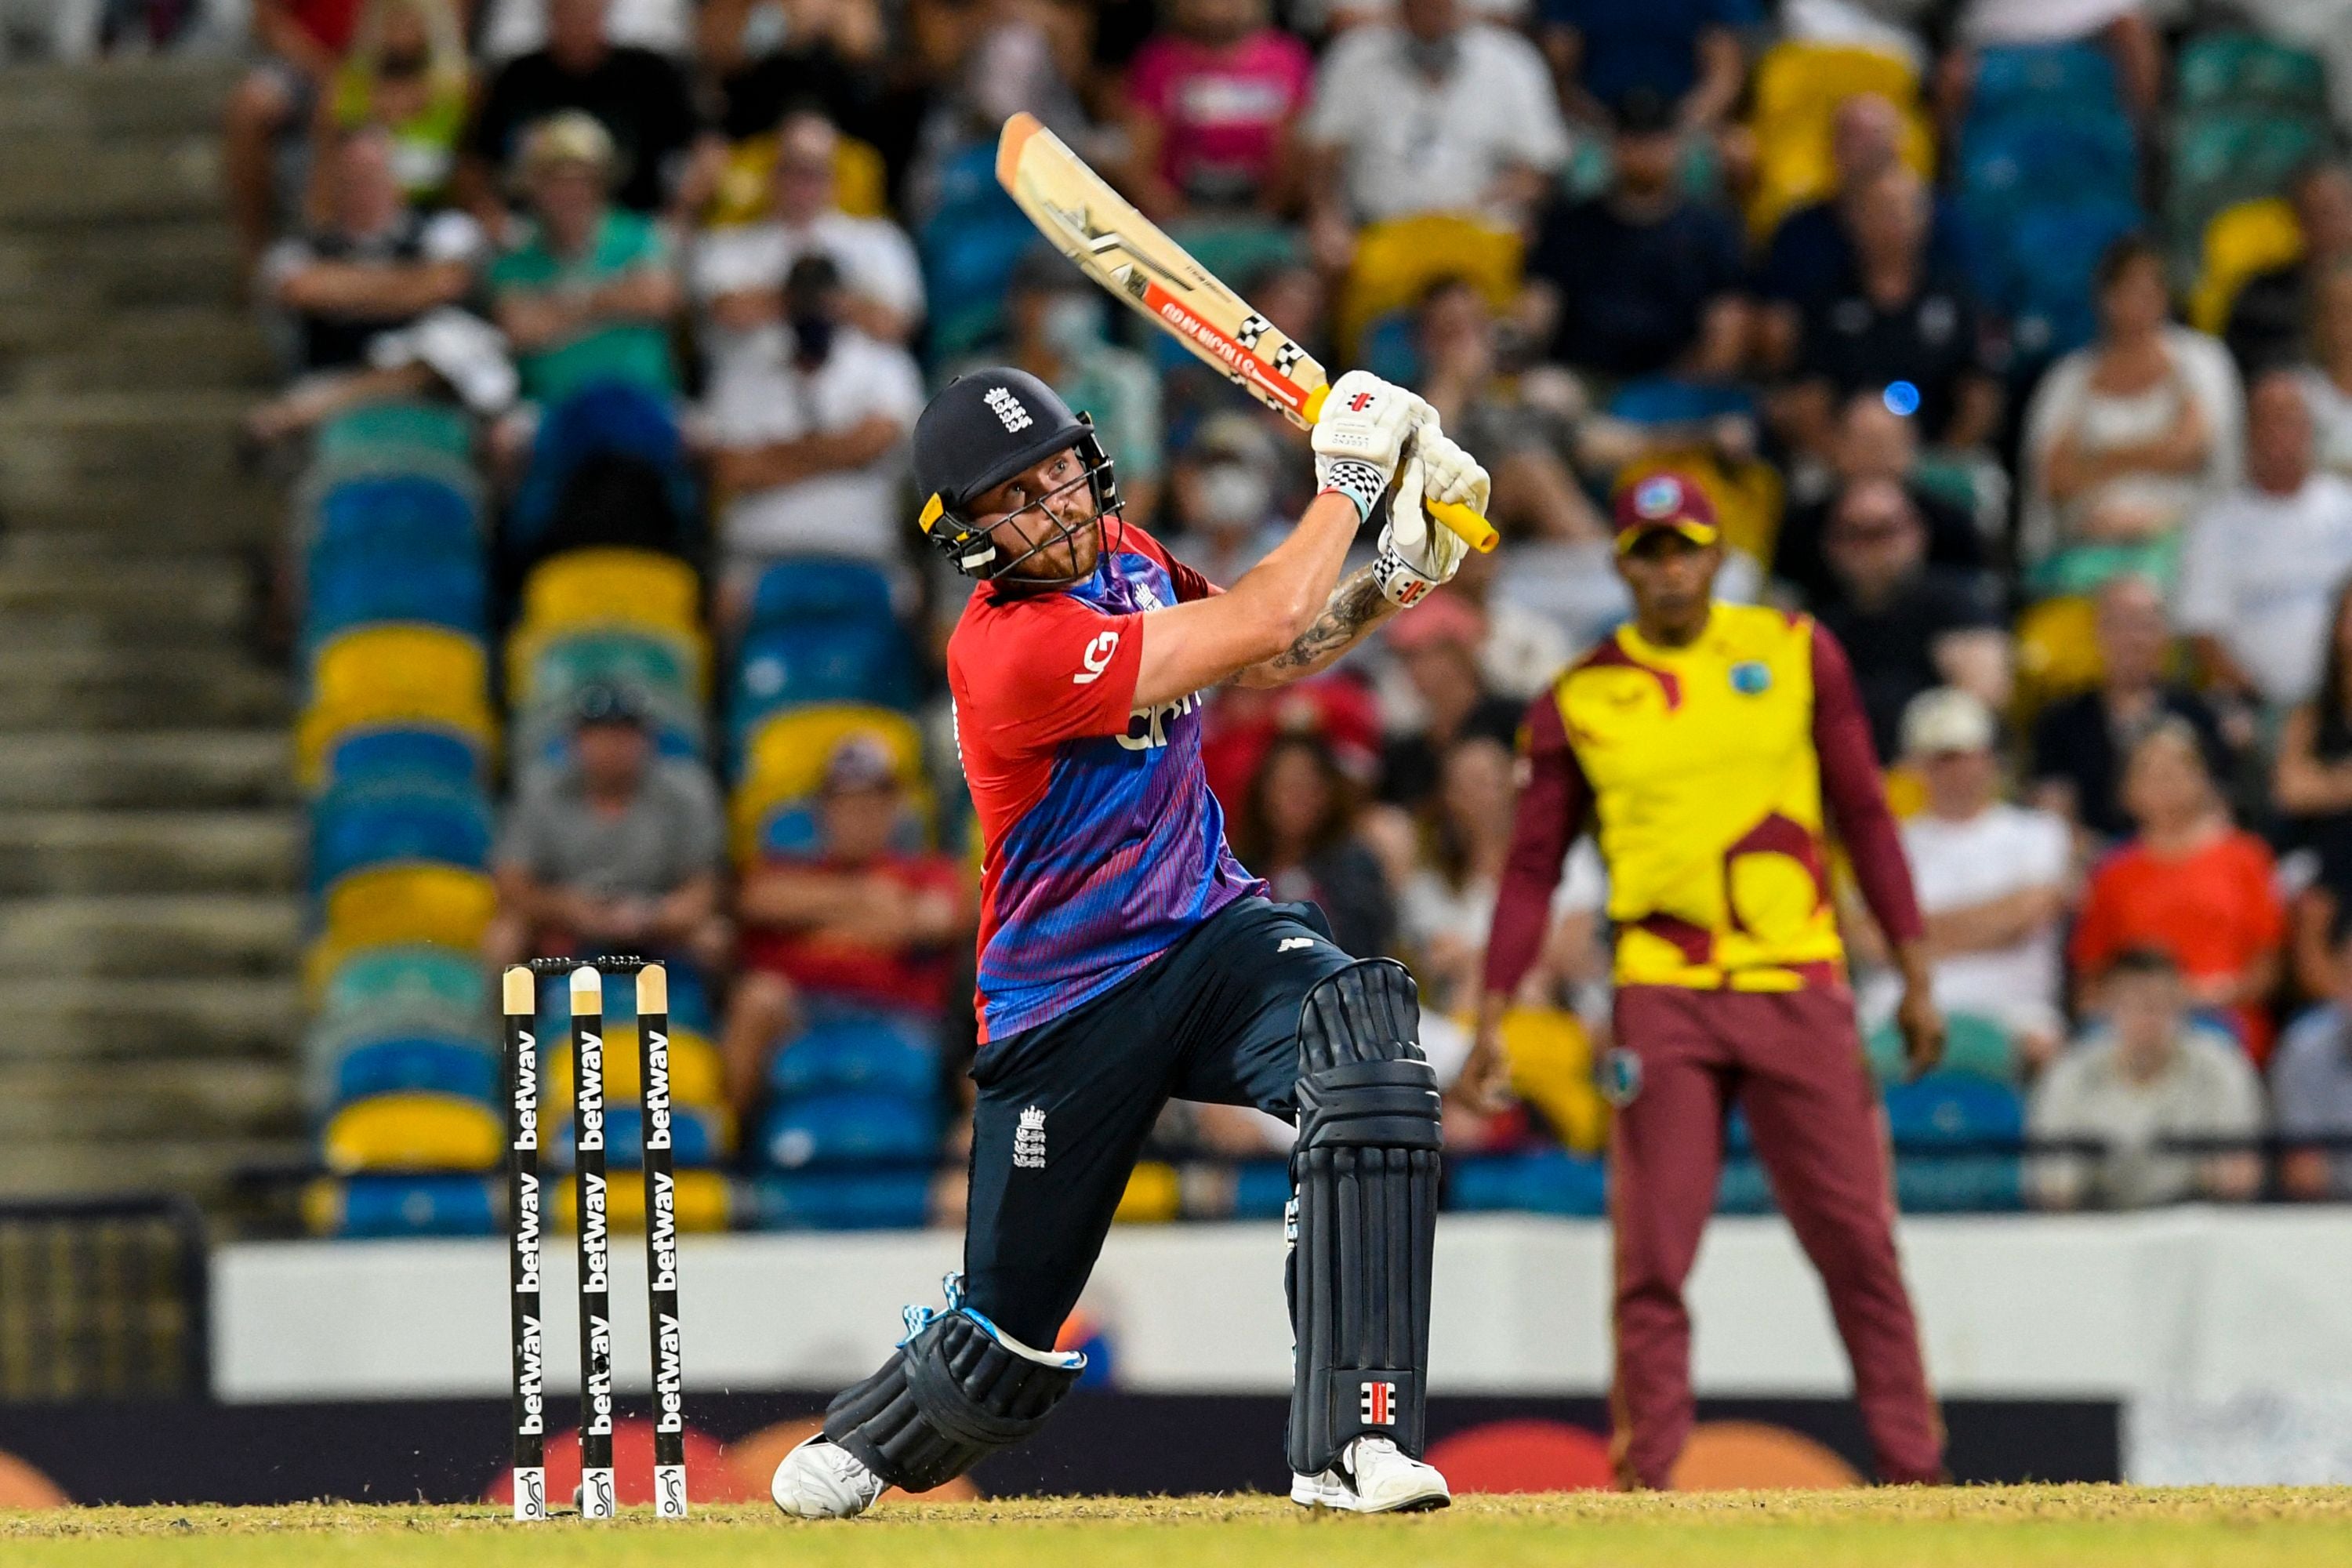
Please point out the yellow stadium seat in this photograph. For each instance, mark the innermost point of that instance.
(613, 587)
(861, 182)
(367, 666)
(412, 1132)
(1154, 1196)
(2243, 241)
(1551, 1069)
(703, 1202)
(2057, 651)
(1799, 87)
(1746, 496)
(1906, 791)
(387, 905)
(696, 1077)
(1396, 261)
(784, 759)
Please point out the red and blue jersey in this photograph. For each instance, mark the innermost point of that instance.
(1103, 844)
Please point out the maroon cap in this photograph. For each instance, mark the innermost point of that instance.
(1664, 501)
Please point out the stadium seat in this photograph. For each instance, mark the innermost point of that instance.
(699, 1136)
(409, 1064)
(1542, 1180)
(2242, 242)
(833, 659)
(785, 754)
(547, 668)
(412, 1132)
(2045, 160)
(697, 1076)
(1261, 1190)
(2054, 252)
(355, 591)
(851, 1128)
(612, 586)
(1395, 262)
(1952, 1108)
(355, 828)
(2012, 79)
(2222, 157)
(393, 515)
(969, 246)
(1745, 1188)
(401, 668)
(2241, 70)
(1798, 87)
(1551, 1069)
(1154, 1194)
(1959, 1183)
(379, 1207)
(2057, 651)
(706, 1202)
(443, 758)
(436, 427)
(873, 1052)
(1974, 1047)
(842, 1200)
(398, 905)
(791, 590)
(388, 978)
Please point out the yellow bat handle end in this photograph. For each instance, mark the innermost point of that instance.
(1475, 531)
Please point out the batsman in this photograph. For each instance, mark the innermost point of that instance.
(1714, 748)
(1126, 957)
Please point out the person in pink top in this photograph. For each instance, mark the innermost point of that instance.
(1210, 111)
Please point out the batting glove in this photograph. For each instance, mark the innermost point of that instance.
(1359, 437)
(1415, 553)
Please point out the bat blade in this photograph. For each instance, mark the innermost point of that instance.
(1108, 240)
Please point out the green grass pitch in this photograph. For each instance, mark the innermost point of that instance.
(1977, 1527)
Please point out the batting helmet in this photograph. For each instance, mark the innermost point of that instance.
(982, 429)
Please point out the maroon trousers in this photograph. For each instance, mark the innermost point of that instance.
(1793, 1061)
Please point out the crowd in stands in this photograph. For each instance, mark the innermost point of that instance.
(2014, 341)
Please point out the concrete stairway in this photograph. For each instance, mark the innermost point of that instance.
(149, 851)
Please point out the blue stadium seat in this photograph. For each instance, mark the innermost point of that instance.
(968, 248)
(819, 587)
(875, 1053)
(413, 1064)
(435, 758)
(1959, 1183)
(1947, 1109)
(2055, 251)
(2025, 78)
(851, 1128)
(380, 980)
(698, 1137)
(355, 590)
(394, 1205)
(842, 1200)
(407, 515)
(1543, 1180)
(837, 659)
(1745, 1189)
(2052, 160)
(1261, 1190)
(355, 827)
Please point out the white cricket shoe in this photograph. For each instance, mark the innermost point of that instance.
(1373, 1476)
(824, 1480)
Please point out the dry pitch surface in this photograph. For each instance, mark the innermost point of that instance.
(1977, 1527)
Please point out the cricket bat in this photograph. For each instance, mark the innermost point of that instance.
(1125, 252)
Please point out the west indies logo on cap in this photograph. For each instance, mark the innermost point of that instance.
(1666, 500)
(1658, 498)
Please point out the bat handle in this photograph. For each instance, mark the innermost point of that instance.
(1474, 530)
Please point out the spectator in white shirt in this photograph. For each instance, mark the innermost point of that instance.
(2263, 564)
(2151, 1074)
(1992, 878)
(809, 427)
(512, 28)
(738, 273)
(1430, 115)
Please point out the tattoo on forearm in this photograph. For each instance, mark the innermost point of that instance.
(1354, 604)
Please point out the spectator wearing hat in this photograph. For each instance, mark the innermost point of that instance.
(588, 297)
(1908, 624)
(2080, 741)
(738, 273)
(1992, 878)
(1297, 829)
(1686, 52)
(809, 421)
(641, 98)
(1640, 280)
(2191, 884)
(1901, 325)
(615, 849)
(2147, 1075)
(857, 920)
(2310, 1088)
(1054, 329)
(1431, 114)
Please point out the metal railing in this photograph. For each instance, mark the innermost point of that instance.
(102, 1298)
